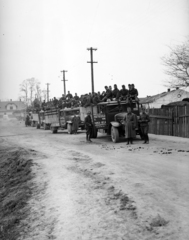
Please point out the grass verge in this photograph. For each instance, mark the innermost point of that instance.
(15, 190)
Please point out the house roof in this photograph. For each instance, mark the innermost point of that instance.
(150, 99)
(178, 103)
(19, 104)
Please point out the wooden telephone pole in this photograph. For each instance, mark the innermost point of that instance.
(64, 81)
(91, 62)
(48, 91)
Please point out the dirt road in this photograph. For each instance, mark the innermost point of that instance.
(104, 190)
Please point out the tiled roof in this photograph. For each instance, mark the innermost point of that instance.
(151, 99)
(19, 104)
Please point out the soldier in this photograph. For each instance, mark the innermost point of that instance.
(108, 94)
(115, 92)
(124, 93)
(133, 92)
(88, 100)
(143, 121)
(84, 100)
(69, 95)
(88, 126)
(63, 98)
(55, 102)
(100, 96)
(130, 125)
(76, 97)
(75, 122)
(43, 105)
(95, 99)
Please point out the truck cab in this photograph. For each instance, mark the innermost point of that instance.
(109, 117)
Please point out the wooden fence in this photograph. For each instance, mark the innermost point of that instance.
(171, 121)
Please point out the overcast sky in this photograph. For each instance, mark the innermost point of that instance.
(40, 38)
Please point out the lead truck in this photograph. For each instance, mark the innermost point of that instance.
(109, 116)
(62, 119)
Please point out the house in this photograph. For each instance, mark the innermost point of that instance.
(12, 109)
(165, 98)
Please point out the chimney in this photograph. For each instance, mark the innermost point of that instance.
(168, 90)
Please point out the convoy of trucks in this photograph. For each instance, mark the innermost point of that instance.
(106, 116)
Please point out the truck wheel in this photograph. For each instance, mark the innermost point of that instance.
(69, 127)
(94, 132)
(38, 126)
(114, 134)
(45, 126)
(54, 130)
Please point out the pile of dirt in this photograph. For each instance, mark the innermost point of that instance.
(15, 190)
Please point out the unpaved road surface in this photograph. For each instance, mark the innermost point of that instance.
(104, 190)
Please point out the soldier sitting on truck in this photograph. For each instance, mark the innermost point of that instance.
(100, 96)
(76, 97)
(55, 102)
(95, 99)
(88, 100)
(63, 98)
(69, 95)
(133, 92)
(124, 93)
(43, 104)
(108, 94)
(115, 92)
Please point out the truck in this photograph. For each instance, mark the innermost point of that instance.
(34, 119)
(43, 120)
(108, 116)
(62, 119)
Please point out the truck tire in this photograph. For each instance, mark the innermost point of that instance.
(94, 132)
(69, 127)
(114, 134)
(38, 126)
(54, 130)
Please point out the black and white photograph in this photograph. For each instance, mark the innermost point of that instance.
(94, 119)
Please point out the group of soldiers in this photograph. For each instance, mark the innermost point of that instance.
(68, 101)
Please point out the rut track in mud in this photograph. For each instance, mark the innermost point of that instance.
(104, 190)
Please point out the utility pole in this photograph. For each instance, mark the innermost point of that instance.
(64, 81)
(91, 62)
(48, 91)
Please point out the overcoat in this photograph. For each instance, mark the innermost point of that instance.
(75, 123)
(130, 125)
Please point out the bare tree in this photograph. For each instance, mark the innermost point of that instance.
(44, 94)
(30, 89)
(24, 88)
(32, 84)
(38, 90)
(177, 65)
